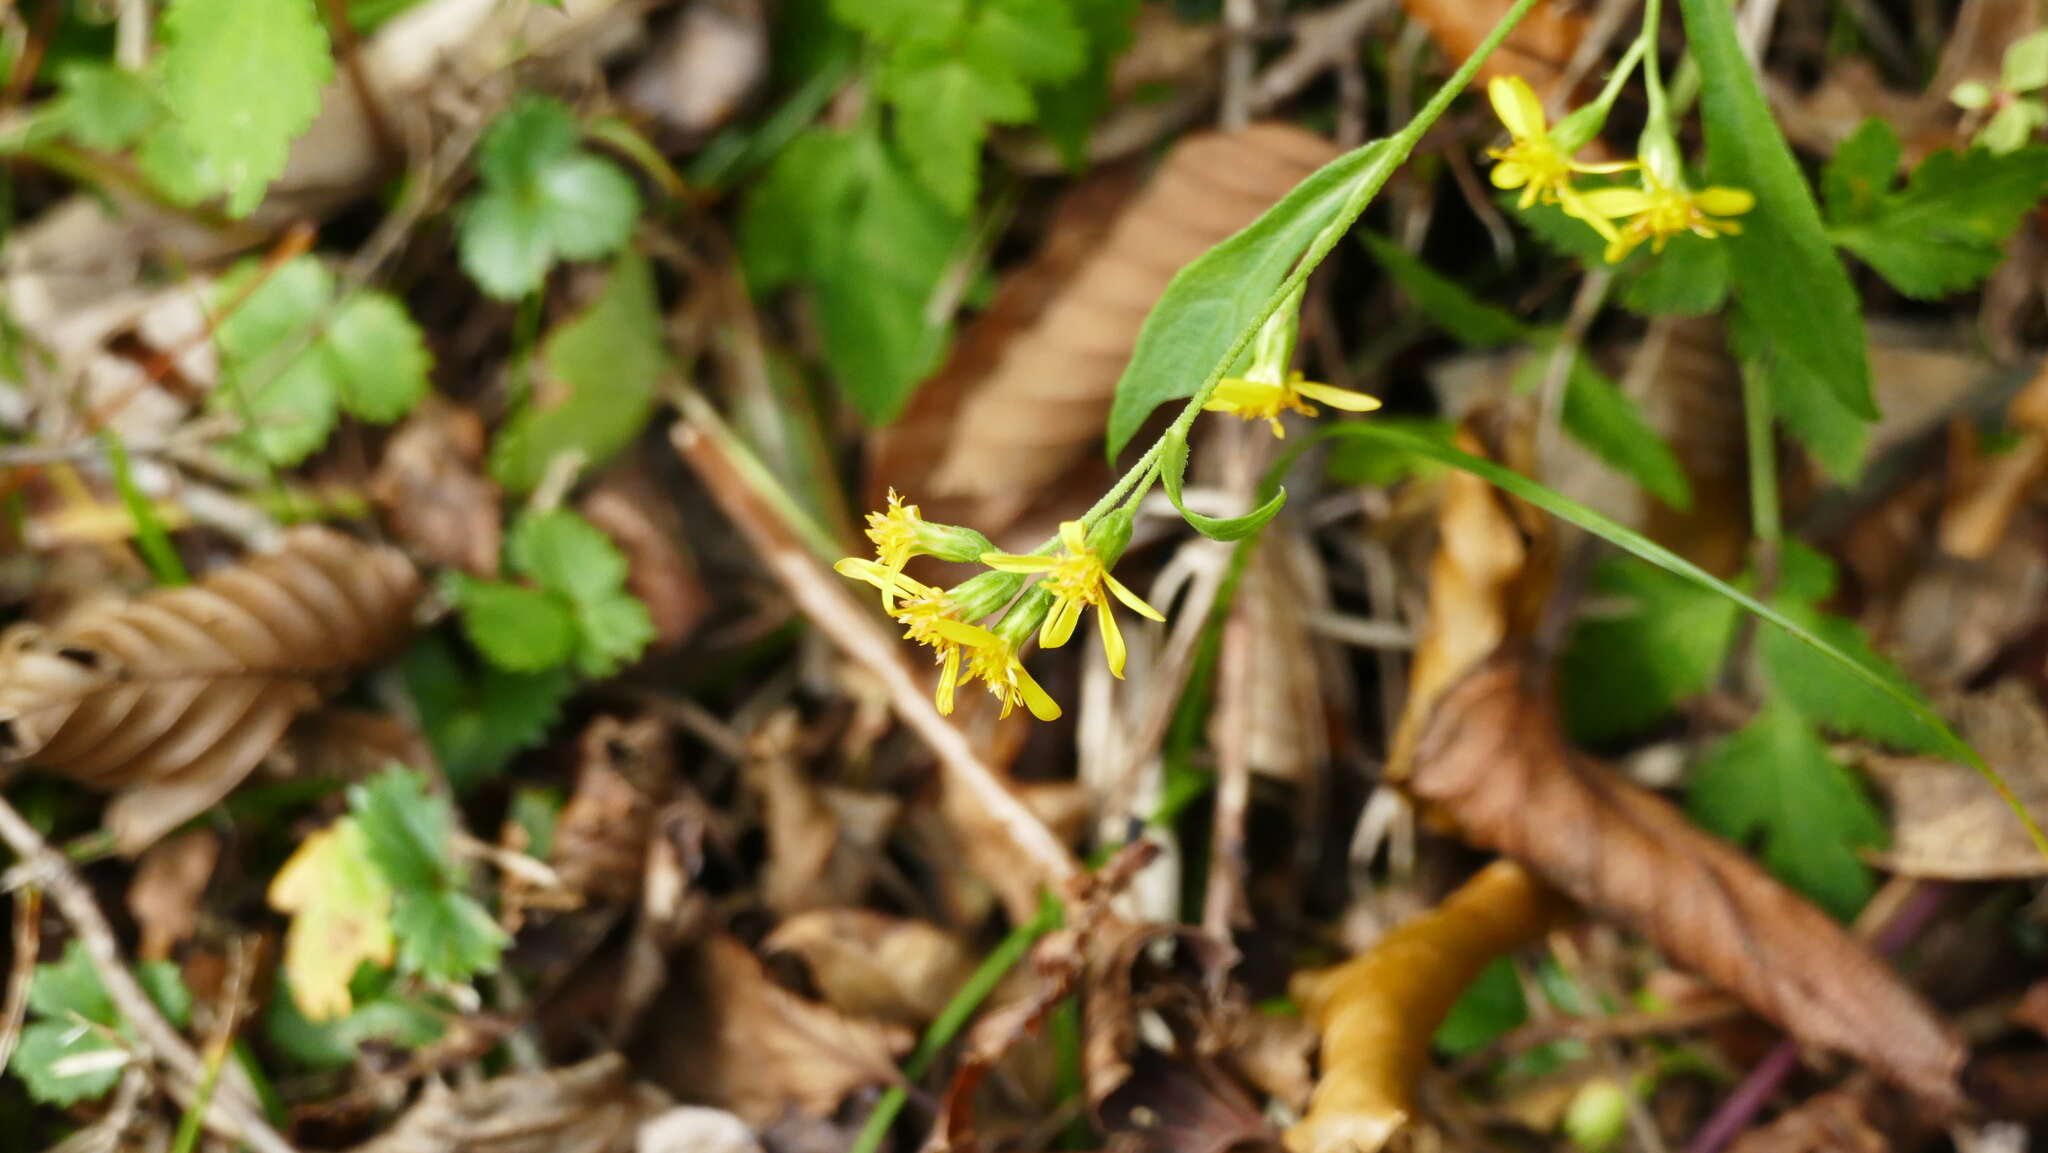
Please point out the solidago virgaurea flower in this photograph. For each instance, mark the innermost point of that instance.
(1661, 209)
(1264, 396)
(1078, 576)
(900, 532)
(1536, 161)
(930, 616)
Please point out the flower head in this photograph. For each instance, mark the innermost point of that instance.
(1660, 210)
(930, 616)
(1535, 161)
(1252, 398)
(998, 666)
(900, 532)
(1077, 577)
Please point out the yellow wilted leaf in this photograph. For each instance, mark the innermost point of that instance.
(340, 907)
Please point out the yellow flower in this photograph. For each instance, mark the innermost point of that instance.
(929, 617)
(997, 665)
(1535, 162)
(1657, 211)
(1267, 399)
(900, 532)
(1077, 578)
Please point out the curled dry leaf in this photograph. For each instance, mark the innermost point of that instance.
(823, 843)
(1857, 1117)
(868, 964)
(173, 697)
(1378, 1011)
(1042, 407)
(1980, 508)
(624, 773)
(432, 490)
(1945, 823)
(169, 880)
(1491, 759)
(594, 1107)
(732, 1038)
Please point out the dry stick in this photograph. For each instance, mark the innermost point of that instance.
(1324, 39)
(851, 626)
(232, 1112)
(349, 48)
(28, 941)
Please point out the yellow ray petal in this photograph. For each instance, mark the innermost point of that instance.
(1614, 203)
(1509, 174)
(1036, 698)
(1012, 562)
(949, 680)
(1131, 600)
(1516, 105)
(1335, 397)
(1113, 649)
(1725, 201)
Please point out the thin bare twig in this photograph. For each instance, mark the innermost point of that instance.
(28, 941)
(232, 1113)
(705, 445)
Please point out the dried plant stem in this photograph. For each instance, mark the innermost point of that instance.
(232, 1111)
(28, 938)
(717, 458)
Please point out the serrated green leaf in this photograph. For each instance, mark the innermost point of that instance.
(903, 21)
(519, 629)
(796, 212)
(242, 78)
(591, 206)
(62, 1063)
(1470, 320)
(69, 987)
(543, 199)
(2025, 67)
(525, 141)
(1946, 229)
(1863, 168)
(1785, 272)
(445, 935)
(1067, 111)
(503, 242)
(340, 907)
(2013, 125)
(1836, 437)
(1654, 640)
(288, 416)
(1607, 422)
(1036, 41)
(944, 105)
(65, 1056)
(1689, 278)
(1221, 294)
(607, 361)
(564, 552)
(102, 106)
(335, 1044)
(1173, 465)
(405, 830)
(614, 631)
(476, 720)
(378, 358)
(1775, 784)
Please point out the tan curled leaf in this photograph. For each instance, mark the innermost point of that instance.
(1378, 1011)
(172, 697)
(1945, 823)
(1979, 509)
(1491, 759)
(340, 905)
(869, 964)
(624, 774)
(432, 491)
(594, 1107)
(1042, 406)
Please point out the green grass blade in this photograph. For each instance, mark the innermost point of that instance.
(151, 539)
(1642, 547)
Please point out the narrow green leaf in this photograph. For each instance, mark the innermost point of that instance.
(1470, 320)
(152, 540)
(1606, 420)
(1173, 466)
(1786, 274)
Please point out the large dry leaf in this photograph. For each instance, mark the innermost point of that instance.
(729, 1036)
(1945, 823)
(625, 773)
(1378, 1012)
(1043, 405)
(1491, 758)
(869, 964)
(174, 696)
(594, 1107)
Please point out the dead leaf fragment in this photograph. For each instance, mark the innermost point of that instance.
(594, 1107)
(624, 774)
(174, 696)
(1378, 1012)
(630, 509)
(695, 1129)
(1491, 759)
(432, 490)
(1537, 50)
(869, 964)
(1945, 823)
(169, 880)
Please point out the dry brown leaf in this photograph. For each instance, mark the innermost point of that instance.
(1945, 823)
(431, 487)
(1856, 1117)
(1977, 513)
(822, 842)
(173, 697)
(1042, 407)
(623, 775)
(730, 1037)
(1538, 49)
(1378, 1012)
(1492, 760)
(695, 1129)
(1174, 974)
(869, 964)
(164, 896)
(628, 507)
(594, 1107)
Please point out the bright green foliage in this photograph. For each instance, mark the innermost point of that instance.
(1775, 783)
(1946, 229)
(476, 720)
(291, 361)
(1358, 462)
(1836, 437)
(1652, 640)
(442, 932)
(840, 213)
(1448, 304)
(64, 1055)
(2021, 112)
(102, 106)
(577, 609)
(543, 199)
(1787, 279)
(1067, 111)
(1490, 1006)
(599, 373)
(380, 1015)
(1689, 278)
(242, 79)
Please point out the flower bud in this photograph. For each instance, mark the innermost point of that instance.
(982, 595)
(1021, 623)
(1111, 535)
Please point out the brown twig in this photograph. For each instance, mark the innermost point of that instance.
(232, 1112)
(28, 941)
(705, 445)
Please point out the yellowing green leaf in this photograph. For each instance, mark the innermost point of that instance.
(340, 906)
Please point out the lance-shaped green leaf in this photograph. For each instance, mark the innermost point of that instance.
(1173, 466)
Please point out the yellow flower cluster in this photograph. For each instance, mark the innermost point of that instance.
(944, 620)
(1542, 167)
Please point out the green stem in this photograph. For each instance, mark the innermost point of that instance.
(954, 1017)
(1763, 458)
(1653, 72)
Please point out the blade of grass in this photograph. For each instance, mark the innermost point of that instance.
(151, 539)
(1642, 547)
